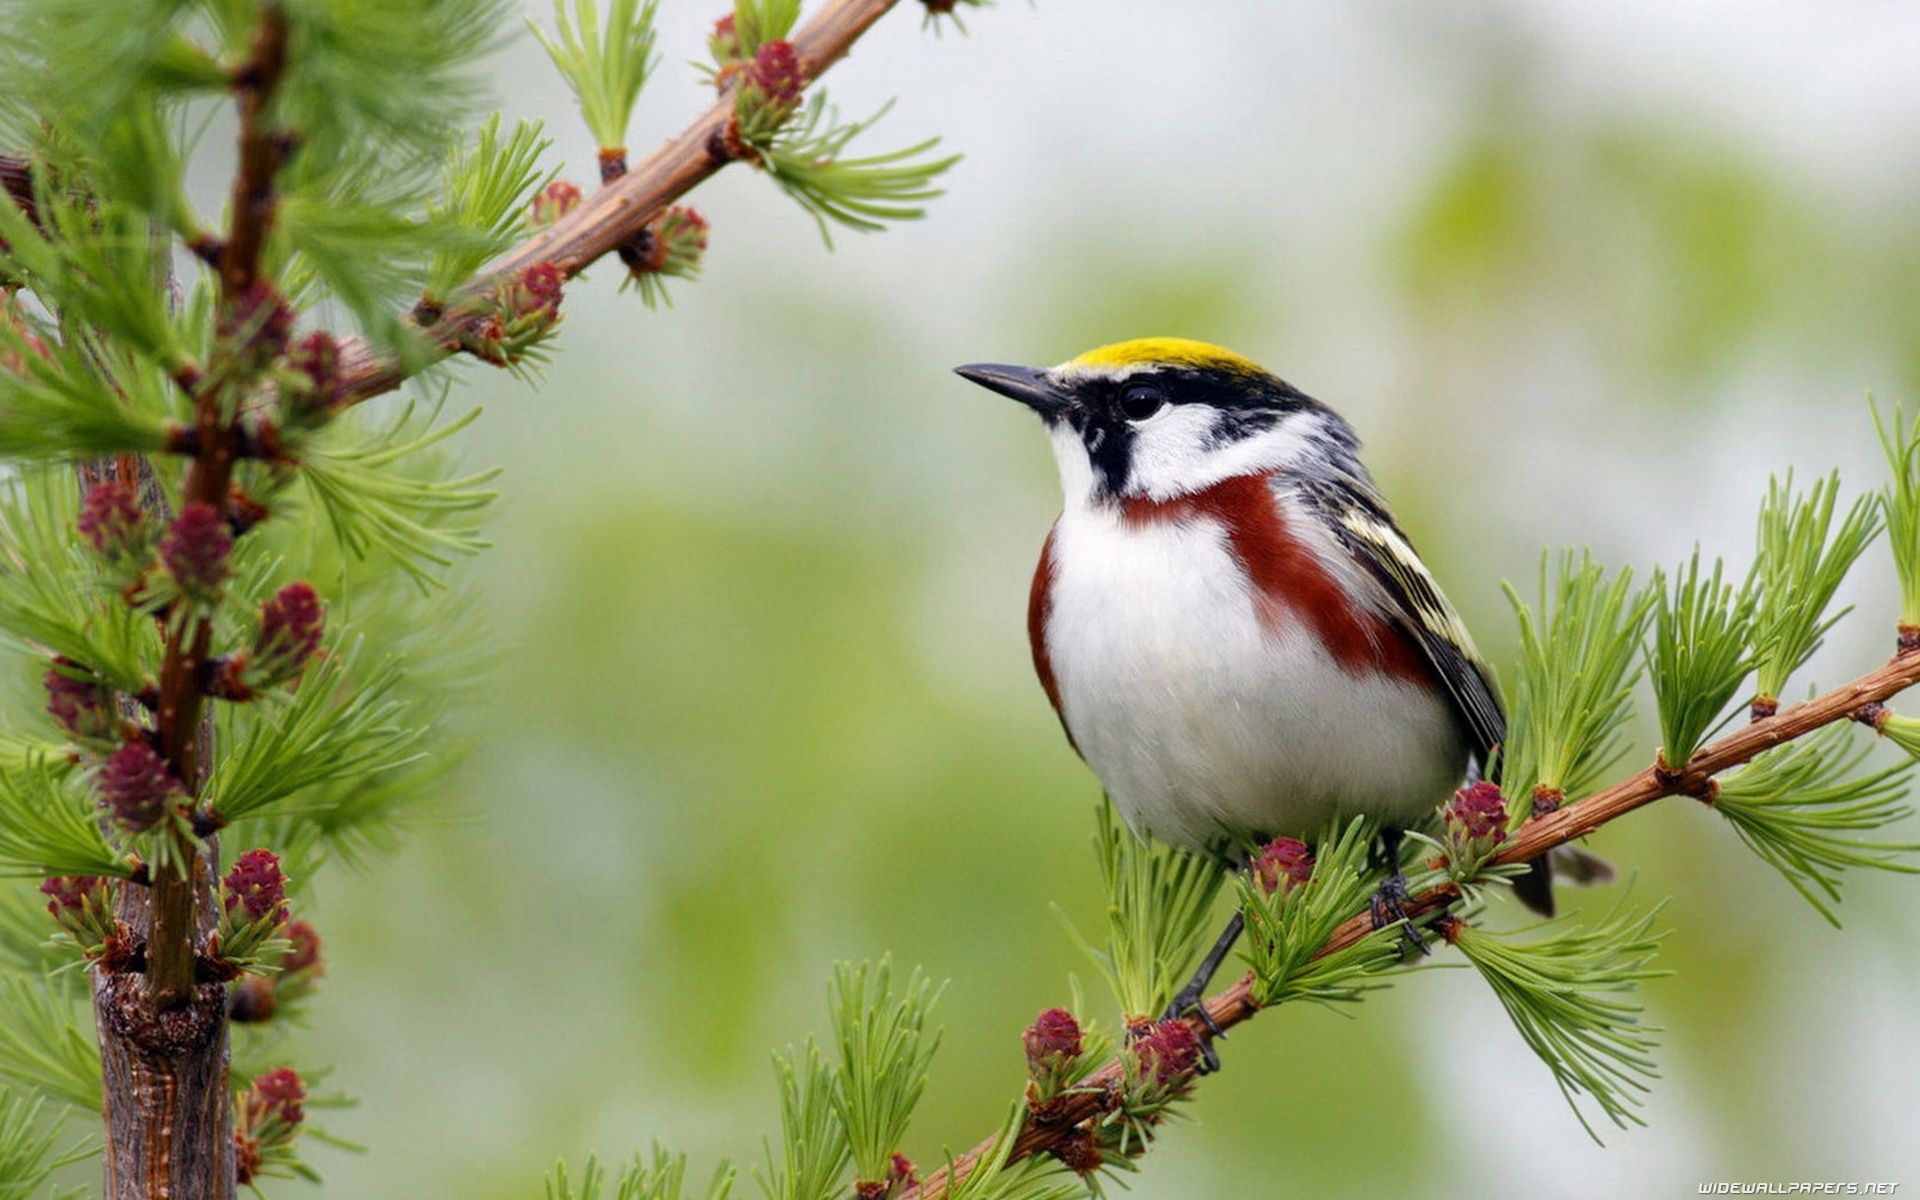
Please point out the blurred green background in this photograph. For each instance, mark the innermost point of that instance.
(1581, 273)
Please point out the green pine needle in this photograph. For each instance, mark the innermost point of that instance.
(1159, 901)
(1578, 664)
(488, 186)
(385, 490)
(49, 825)
(1698, 656)
(50, 601)
(1900, 503)
(1571, 998)
(859, 193)
(814, 1154)
(344, 722)
(45, 1049)
(606, 73)
(656, 1176)
(78, 399)
(80, 260)
(386, 78)
(885, 1048)
(1799, 563)
(28, 1159)
(1798, 807)
(1285, 929)
(757, 22)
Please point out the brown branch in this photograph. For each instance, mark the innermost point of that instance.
(170, 951)
(1236, 1003)
(615, 214)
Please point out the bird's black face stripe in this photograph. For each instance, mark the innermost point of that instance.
(1109, 441)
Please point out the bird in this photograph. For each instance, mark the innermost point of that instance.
(1235, 634)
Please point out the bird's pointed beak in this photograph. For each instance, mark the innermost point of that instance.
(1029, 385)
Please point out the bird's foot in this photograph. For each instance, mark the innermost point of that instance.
(1389, 907)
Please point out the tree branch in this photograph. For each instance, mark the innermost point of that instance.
(615, 214)
(1539, 835)
(170, 952)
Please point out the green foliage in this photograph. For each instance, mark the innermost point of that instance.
(48, 597)
(384, 78)
(1159, 901)
(1570, 996)
(1900, 504)
(1798, 807)
(50, 826)
(757, 22)
(1799, 563)
(808, 161)
(43, 1048)
(1698, 654)
(814, 1151)
(74, 399)
(79, 261)
(605, 72)
(1287, 928)
(344, 723)
(27, 1155)
(488, 186)
(1577, 670)
(658, 1176)
(385, 488)
(885, 1049)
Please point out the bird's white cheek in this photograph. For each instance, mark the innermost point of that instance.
(1170, 452)
(1076, 469)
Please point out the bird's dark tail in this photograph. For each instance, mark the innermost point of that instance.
(1535, 888)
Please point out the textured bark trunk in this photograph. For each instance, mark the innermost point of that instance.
(169, 1106)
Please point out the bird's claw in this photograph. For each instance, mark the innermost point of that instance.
(1389, 907)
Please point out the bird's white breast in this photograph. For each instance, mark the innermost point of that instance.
(1200, 719)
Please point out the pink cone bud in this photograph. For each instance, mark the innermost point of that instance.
(70, 893)
(256, 884)
(258, 324)
(316, 356)
(291, 622)
(111, 520)
(1169, 1054)
(1478, 812)
(1052, 1042)
(196, 548)
(555, 200)
(135, 786)
(775, 73)
(540, 288)
(78, 702)
(724, 42)
(276, 1095)
(901, 1171)
(1283, 864)
(305, 954)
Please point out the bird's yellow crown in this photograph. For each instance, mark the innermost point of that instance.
(1168, 352)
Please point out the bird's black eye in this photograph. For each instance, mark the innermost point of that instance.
(1141, 401)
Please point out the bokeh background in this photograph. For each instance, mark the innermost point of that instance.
(1582, 273)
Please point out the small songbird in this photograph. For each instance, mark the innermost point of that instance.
(1237, 637)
